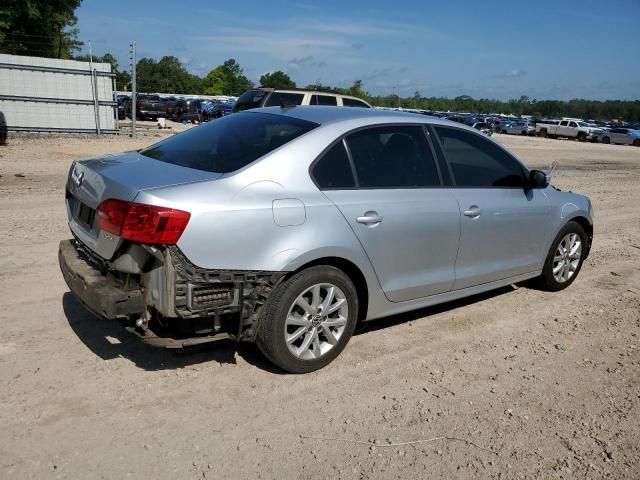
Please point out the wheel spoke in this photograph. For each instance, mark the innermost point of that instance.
(315, 300)
(306, 343)
(558, 258)
(328, 334)
(328, 300)
(336, 306)
(303, 304)
(576, 249)
(558, 268)
(297, 321)
(316, 344)
(296, 335)
(335, 322)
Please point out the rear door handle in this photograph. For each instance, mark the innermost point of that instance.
(370, 218)
(473, 212)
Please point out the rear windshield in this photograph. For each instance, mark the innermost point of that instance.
(250, 99)
(229, 143)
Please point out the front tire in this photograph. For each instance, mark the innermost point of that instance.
(636, 142)
(308, 319)
(606, 140)
(564, 260)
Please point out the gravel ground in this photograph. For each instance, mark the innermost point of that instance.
(517, 383)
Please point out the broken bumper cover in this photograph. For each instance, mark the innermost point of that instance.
(96, 291)
(178, 303)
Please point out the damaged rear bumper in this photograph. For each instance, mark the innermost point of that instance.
(96, 291)
(165, 299)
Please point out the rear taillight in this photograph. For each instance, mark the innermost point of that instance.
(142, 223)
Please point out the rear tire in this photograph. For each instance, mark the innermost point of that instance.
(294, 333)
(563, 264)
(636, 142)
(606, 140)
(582, 137)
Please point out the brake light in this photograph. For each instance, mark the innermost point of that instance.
(142, 223)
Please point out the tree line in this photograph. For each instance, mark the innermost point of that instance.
(48, 29)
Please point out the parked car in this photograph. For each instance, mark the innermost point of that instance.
(483, 127)
(124, 106)
(569, 128)
(219, 109)
(150, 107)
(288, 226)
(270, 97)
(622, 136)
(516, 128)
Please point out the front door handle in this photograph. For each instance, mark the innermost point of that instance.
(473, 212)
(370, 219)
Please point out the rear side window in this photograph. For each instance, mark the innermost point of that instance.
(477, 162)
(277, 99)
(230, 142)
(393, 157)
(352, 102)
(249, 99)
(323, 100)
(333, 170)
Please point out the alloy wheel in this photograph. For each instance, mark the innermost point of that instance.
(567, 257)
(316, 321)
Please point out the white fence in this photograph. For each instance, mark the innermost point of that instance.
(52, 95)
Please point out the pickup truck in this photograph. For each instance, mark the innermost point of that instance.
(569, 128)
(150, 106)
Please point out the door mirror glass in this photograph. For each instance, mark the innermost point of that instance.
(538, 179)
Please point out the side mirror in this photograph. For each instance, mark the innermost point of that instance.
(538, 179)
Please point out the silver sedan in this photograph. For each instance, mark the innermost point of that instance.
(622, 136)
(289, 226)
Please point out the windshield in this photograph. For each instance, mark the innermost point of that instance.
(229, 143)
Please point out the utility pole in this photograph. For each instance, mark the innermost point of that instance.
(133, 90)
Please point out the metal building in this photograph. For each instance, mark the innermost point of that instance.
(51, 95)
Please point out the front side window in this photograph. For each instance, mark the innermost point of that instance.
(323, 100)
(333, 170)
(478, 162)
(393, 157)
(278, 99)
(229, 143)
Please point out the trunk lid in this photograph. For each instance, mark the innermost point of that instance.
(122, 177)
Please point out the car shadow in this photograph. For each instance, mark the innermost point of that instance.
(387, 322)
(108, 339)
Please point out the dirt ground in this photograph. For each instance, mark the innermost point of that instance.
(517, 383)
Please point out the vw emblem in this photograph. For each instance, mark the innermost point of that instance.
(79, 179)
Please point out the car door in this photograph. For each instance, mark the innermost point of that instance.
(503, 224)
(563, 128)
(408, 224)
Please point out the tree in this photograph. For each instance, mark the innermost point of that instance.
(226, 79)
(166, 76)
(39, 28)
(123, 78)
(277, 79)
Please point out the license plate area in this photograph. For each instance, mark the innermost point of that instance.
(82, 214)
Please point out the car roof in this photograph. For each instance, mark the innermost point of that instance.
(325, 115)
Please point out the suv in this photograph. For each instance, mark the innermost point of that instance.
(272, 97)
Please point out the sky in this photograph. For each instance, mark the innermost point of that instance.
(543, 49)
